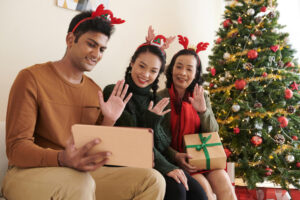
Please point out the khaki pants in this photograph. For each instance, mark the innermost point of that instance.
(106, 183)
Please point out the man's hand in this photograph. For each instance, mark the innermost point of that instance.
(79, 158)
(198, 101)
(159, 107)
(114, 106)
(179, 176)
(181, 160)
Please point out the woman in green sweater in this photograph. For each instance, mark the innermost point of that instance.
(191, 113)
(142, 74)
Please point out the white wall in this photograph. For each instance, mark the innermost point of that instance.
(33, 31)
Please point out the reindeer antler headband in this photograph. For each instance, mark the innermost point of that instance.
(101, 12)
(184, 41)
(159, 40)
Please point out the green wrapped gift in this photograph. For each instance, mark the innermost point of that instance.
(206, 150)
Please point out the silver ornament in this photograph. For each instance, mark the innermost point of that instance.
(222, 79)
(228, 75)
(226, 55)
(270, 128)
(289, 158)
(235, 107)
(246, 119)
(258, 125)
(250, 11)
(258, 133)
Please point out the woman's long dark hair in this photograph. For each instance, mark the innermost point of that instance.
(156, 51)
(198, 79)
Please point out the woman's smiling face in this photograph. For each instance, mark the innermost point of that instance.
(184, 71)
(145, 69)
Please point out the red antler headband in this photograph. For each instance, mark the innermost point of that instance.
(184, 41)
(101, 12)
(160, 41)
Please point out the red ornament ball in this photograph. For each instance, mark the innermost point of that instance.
(265, 74)
(213, 71)
(240, 84)
(288, 94)
(211, 85)
(294, 137)
(298, 164)
(289, 64)
(283, 121)
(227, 23)
(256, 140)
(269, 171)
(227, 152)
(252, 54)
(236, 130)
(219, 40)
(240, 20)
(263, 9)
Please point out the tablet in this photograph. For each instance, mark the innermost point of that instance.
(132, 147)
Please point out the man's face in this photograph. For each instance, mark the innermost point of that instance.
(87, 51)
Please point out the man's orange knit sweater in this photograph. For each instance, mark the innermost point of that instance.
(42, 107)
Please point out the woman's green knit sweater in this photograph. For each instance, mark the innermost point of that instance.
(136, 114)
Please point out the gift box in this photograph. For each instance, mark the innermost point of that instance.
(206, 150)
(132, 147)
(243, 193)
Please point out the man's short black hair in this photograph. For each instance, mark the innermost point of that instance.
(97, 24)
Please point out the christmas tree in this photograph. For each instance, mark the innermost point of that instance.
(253, 82)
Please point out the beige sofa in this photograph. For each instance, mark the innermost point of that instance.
(3, 158)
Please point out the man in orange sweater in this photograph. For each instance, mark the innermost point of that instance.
(45, 101)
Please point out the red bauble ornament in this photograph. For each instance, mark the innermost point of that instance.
(256, 140)
(269, 171)
(211, 85)
(265, 74)
(274, 48)
(240, 84)
(252, 54)
(263, 9)
(288, 94)
(283, 121)
(236, 130)
(239, 20)
(294, 137)
(227, 152)
(298, 164)
(227, 23)
(219, 40)
(289, 64)
(213, 71)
